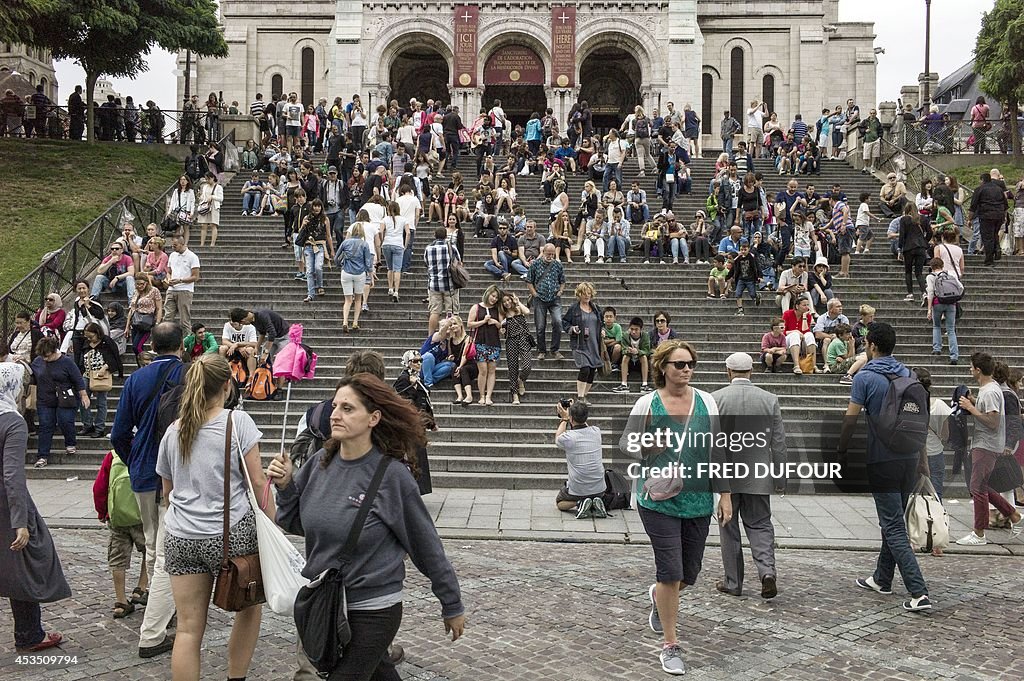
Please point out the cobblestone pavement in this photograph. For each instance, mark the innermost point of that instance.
(578, 612)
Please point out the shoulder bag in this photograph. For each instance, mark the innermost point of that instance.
(100, 381)
(239, 583)
(321, 607)
(457, 271)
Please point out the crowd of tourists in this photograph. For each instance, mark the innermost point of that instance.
(385, 177)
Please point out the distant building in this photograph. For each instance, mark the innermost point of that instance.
(957, 92)
(32, 64)
(103, 88)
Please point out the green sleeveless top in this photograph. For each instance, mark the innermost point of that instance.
(695, 500)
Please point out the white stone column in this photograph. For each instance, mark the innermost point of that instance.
(679, 78)
(345, 51)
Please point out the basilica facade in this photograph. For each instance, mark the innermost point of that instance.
(712, 54)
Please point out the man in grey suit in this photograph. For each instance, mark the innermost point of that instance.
(745, 408)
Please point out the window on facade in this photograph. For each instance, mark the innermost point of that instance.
(707, 92)
(736, 104)
(31, 78)
(307, 75)
(768, 92)
(276, 85)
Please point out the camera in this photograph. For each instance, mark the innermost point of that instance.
(565, 402)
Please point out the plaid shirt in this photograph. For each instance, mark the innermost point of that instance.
(546, 278)
(438, 257)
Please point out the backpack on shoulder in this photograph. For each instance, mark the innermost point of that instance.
(616, 492)
(902, 424)
(948, 289)
(122, 507)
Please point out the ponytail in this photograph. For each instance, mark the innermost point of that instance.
(203, 384)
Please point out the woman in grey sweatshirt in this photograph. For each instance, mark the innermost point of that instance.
(321, 500)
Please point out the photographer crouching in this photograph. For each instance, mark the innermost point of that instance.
(582, 444)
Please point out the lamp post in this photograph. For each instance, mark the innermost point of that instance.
(927, 53)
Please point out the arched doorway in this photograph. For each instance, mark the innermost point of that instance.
(420, 72)
(610, 84)
(514, 74)
(306, 95)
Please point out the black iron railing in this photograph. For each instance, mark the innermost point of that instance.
(911, 169)
(957, 137)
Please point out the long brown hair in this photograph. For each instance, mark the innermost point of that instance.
(204, 382)
(400, 433)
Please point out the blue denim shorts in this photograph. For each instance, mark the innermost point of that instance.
(749, 286)
(393, 256)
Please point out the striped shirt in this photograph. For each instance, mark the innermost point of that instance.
(257, 108)
(799, 131)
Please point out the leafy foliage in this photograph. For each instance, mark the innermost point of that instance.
(999, 54)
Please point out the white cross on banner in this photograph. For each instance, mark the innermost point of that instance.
(467, 16)
(564, 18)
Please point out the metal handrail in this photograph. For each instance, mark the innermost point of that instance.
(956, 136)
(60, 269)
(912, 170)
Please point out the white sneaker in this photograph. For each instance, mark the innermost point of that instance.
(600, 261)
(972, 540)
(675, 261)
(586, 260)
(245, 212)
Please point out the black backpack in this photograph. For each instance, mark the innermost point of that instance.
(642, 127)
(616, 492)
(902, 424)
(310, 440)
(195, 167)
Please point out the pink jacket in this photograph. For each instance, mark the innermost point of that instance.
(295, 361)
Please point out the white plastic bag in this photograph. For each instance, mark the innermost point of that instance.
(927, 522)
(281, 564)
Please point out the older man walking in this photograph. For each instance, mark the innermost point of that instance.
(745, 408)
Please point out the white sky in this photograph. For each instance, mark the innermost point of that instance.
(899, 26)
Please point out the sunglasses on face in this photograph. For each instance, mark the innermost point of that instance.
(684, 364)
(661, 321)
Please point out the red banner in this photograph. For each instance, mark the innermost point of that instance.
(466, 21)
(563, 46)
(514, 65)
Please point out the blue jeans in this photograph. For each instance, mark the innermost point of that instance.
(612, 170)
(679, 247)
(645, 211)
(28, 626)
(314, 269)
(949, 312)
(891, 484)
(751, 226)
(251, 201)
(433, 371)
(49, 419)
(393, 256)
(937, 472)
(727, 146)
(541, 310)
(98, 402)
(407, 258)
(768, 274)
(618, 244)
(100, 283)
(508, 264)
(975, 240)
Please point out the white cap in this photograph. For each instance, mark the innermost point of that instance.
(739, 361)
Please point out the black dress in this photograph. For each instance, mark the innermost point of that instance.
(419, 395)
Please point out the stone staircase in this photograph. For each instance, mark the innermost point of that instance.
(508, 446)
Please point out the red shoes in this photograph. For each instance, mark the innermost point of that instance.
(51, 640)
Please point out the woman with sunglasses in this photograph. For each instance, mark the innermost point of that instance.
(50, 317)
(676, 516)
(662, 331)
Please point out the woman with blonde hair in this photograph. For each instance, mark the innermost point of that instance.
(356, 267)
(191, 462)
(561, 236)
(485, 321)
(583, 321)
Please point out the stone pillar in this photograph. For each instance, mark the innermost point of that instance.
(244, 126)
(679, 75)
(887, 113)
(468, 100)
(911, 94)
(344, 49)
(932, 80)
(252, 83)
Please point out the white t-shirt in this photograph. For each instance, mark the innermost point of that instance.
(180, 266)
(293, 112)
(755, 118)
(940, 410)
(862, 215)
(196, 509)
(394, 231)
(409, 205)
(246, 334)
(951, 254)
(990, 399)
(370, 232)
(616, 150)
(375, 211)
(499, 116)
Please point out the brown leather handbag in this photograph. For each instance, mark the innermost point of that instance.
(239, 584)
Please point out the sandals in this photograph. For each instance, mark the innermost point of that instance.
(320, 291)
(140, 596)
(355, 327)
(122, 610)
(344, 328)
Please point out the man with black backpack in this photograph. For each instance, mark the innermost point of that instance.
(134, 441)
(897, 407)
(196, 166)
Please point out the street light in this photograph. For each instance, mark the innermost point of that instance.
(927, 53)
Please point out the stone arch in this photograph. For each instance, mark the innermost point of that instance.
(495, 38)
(614, 34)
(400, 36)
(742, 43)
(266, 84)
(319, 66)
(775, 73)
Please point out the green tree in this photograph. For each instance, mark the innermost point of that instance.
(999, 59)
(112, 37)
